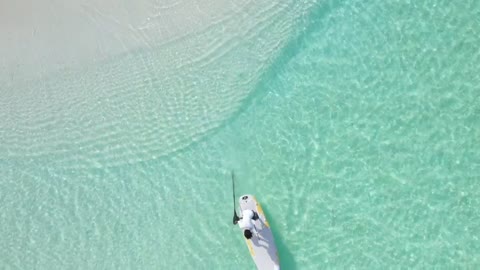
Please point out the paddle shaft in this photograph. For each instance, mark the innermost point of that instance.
(235, 217)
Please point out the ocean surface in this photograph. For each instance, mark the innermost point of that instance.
(355, 123)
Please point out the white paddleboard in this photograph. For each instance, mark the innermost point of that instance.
(263, 250)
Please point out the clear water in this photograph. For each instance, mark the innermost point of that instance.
(355, 123)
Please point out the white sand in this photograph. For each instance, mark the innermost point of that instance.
(38, 37)
(166, 74)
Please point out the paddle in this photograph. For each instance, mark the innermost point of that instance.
(235, 217)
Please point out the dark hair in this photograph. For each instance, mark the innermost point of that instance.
(247, 234)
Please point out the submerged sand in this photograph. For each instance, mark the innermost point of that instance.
(101, 84)
(39, 37)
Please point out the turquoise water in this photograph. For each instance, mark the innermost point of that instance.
(359, 134)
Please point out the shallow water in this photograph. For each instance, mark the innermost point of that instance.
(356, 124)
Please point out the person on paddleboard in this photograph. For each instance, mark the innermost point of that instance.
(246, 223)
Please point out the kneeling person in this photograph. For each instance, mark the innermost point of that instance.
(246, 223)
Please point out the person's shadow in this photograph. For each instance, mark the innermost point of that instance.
(287, 261)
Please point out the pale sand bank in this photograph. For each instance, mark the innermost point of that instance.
(38, 37)
(165, 76)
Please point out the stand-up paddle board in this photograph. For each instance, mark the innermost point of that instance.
(261, 247)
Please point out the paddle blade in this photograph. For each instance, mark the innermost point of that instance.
(235, 218)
